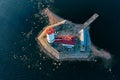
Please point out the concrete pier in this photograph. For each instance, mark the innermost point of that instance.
(90, 20)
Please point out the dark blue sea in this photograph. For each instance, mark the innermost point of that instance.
(21, 57)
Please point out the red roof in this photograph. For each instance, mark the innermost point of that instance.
(49, 31)
(65, 40)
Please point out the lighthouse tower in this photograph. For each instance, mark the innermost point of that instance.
(50, 35)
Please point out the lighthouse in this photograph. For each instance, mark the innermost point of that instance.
(50, 35)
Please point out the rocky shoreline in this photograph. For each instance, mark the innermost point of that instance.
(54, 54)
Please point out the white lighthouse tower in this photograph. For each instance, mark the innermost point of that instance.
(50, 35)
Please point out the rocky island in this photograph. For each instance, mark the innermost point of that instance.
(63, 40)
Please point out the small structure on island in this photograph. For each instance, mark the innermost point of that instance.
(83, 39)
(50, 35)
(67, 41)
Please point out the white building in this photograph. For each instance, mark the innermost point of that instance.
(50, 35)
(82, 39)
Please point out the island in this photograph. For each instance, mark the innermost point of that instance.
(63, 40)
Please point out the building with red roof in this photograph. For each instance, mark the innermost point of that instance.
(50, 34)
(68, 40)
